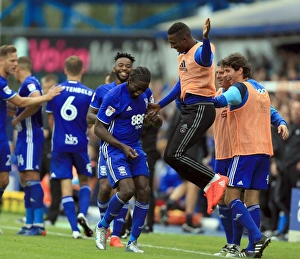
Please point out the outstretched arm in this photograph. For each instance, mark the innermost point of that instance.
(26, 101)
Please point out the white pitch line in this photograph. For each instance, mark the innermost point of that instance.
(145, 245)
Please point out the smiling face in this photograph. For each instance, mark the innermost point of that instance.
(233, 76)
(123, 68)
(177, 42)
(221, 78)
(136, 87)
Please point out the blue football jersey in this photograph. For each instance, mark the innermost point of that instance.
(69, 111)
(32, 126)
(124, 115)
(5, 94)
(99, 94)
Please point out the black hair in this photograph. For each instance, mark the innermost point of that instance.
(237, 61)
(178, 27)
(124, 55)
(141, 73)
(220, 63)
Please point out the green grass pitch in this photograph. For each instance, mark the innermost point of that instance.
(58, 243)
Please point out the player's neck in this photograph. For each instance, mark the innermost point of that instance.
(3, 74)
(74, 78)
(23, 76)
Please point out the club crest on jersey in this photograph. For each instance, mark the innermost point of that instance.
(7, 90)
(31, 87)
(110, 111)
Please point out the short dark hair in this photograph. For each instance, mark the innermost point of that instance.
(141, 73)
(179, 27)
(25, 63)
(124, 55)
(220, 63)
(237, 61)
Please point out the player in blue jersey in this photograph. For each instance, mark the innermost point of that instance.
(67, 118)
(122, 70)
(29, 149)
(119, 125)
(8, 65)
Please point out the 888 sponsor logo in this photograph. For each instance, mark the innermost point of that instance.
(137, 120)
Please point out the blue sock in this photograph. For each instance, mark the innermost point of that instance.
(226, 221)
(28, 209)
(119, 221)
(237, 232)
(240, 213)
(1, 192)
(138, 219)
(102, 206)
(69, 208)
(37, 202)
(84, 196)
(254, 211)
(113, 209)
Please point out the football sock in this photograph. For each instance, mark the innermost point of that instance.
(69, 208)
(113, 209)
(84, 197)
(226, 221)
(240, 213)
(254, 211)
(37, 202)
(119, 220)
(102, 206)
(28, 209)
(138, 219)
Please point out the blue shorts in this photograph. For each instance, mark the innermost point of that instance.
(249, 172)
(62, 163)
(121, 167)
(102, 168)
(5, 157)
(29, 155)
(222, 166)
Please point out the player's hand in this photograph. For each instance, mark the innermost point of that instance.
(54, 91)
(206, 28)
(224, 114)
(283, 131)
(130, 152)
(150, 116)
(16, 124)
(153, 107)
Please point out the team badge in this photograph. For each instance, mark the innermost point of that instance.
(31, 87)
(110, 111)
(7, 90)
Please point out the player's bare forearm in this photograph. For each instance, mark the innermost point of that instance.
(91, 115)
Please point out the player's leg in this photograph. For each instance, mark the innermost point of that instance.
(84, 170)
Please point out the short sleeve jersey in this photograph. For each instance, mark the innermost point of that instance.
(124, 115)
(5, 94)
(69, 112)
(99, 94)
(32, 125)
